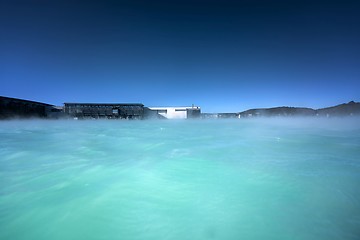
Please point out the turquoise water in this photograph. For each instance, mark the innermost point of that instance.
(235, 179)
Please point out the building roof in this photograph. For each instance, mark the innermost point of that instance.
(24, 101)
(163, 108)
(107, 104)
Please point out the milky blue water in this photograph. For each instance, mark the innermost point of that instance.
(218, 179)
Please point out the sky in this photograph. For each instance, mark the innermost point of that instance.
(224, 56)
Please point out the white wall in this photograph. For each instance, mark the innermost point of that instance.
(172, 112)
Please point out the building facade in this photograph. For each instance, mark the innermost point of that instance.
(105, 110)
(20, 108)
(177, 112)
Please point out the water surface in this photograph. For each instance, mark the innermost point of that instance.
(219, 179)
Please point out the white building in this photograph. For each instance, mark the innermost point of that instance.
(177, 112)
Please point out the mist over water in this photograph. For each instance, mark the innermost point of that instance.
(206, 179)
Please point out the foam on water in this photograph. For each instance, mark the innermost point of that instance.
(236, 179)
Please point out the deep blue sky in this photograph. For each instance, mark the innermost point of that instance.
(221, 55)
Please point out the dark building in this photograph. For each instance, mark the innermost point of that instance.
(228, 115)
(20, 108)
(193, 112)
(105, 110)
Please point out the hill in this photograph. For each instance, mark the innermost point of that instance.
(347, 109)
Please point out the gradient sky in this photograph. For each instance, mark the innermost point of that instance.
(221, 55)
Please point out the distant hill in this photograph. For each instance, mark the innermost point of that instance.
(347, 109)
(278, 111)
